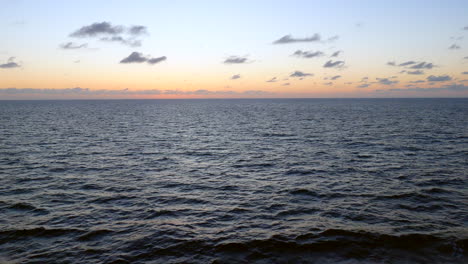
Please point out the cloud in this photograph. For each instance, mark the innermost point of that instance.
(289, 39)
(442, 78)
(364, 85)
(71, 45)
(449, 87)
(137, 30)
(87, 91)
(386, 81)
(416, 72)
(272, 80)
(391, 63)
(10, 64)
(364, 79)
(235, 60)
(129, 41)
(235, 76)
(307, 54)
(465, 28)
(423, 65)
(285, 84)
(300, 74)
(465, 72)
(454, 47)
(335, 77)
(334, 64)
(406, 63)
(156, 60)
(110, 33)
(137, 57)
(328, 83)
(336, 53)
(95, 29)
(418, 81)
(334, 38)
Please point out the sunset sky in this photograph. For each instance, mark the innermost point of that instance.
(233, 49)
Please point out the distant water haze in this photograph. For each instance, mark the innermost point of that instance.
(234, 181)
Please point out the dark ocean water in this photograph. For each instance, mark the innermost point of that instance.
(234, 181)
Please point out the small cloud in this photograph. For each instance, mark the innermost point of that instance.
(386, 81)
(285, 84)
(465, 72)
(95, 29)
(289, 39)
(423, 65)
(137, 30)
(336, 53)
(235, 76)
(450, 87)
(364, 85)
(335, 77)
(77, 61)
(137, 57)
(466, 58)
(406, 63)
(442, 78)
(71, 45)
(307, 54)
(334, 38)
(156, 60)
(235, 60)
(454, 47)
(334, 64)
(416, 72)
(272, 80)
(129, 42)
(10, 64)
(300, 74)
(328, 83)
(391, 63)
(418, 81)
(465, 28)
(364, 79)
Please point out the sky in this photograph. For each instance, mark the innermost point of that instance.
(233, 49)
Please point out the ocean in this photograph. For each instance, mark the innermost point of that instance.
(234, 181)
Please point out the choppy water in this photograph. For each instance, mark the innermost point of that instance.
(234, 181)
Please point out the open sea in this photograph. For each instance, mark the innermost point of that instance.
(234, 181)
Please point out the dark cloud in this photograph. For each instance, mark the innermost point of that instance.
(308, 54)
(235, 60)
(335, 77)
(406, 63)
(336, 53)
(87, 91)
(300, 74)
(418, 81)
(465, 72)
(110, 33)
(285, 84)
(364, 85)
(423, 65)
(466, 58)
(95, 29)
(391, 63)
(71, 45)
(156, 60)
(10, 64)
(272, 80)
(137, 30)
(442, 78)
(416, 72)
(386, 81)
(450, 87)
(334, 64)
(465, 28)
(289, 39)
(364, 79)
(235, 76)
(328, 83)
(137, 57)
(129, 41)
(454, 47)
